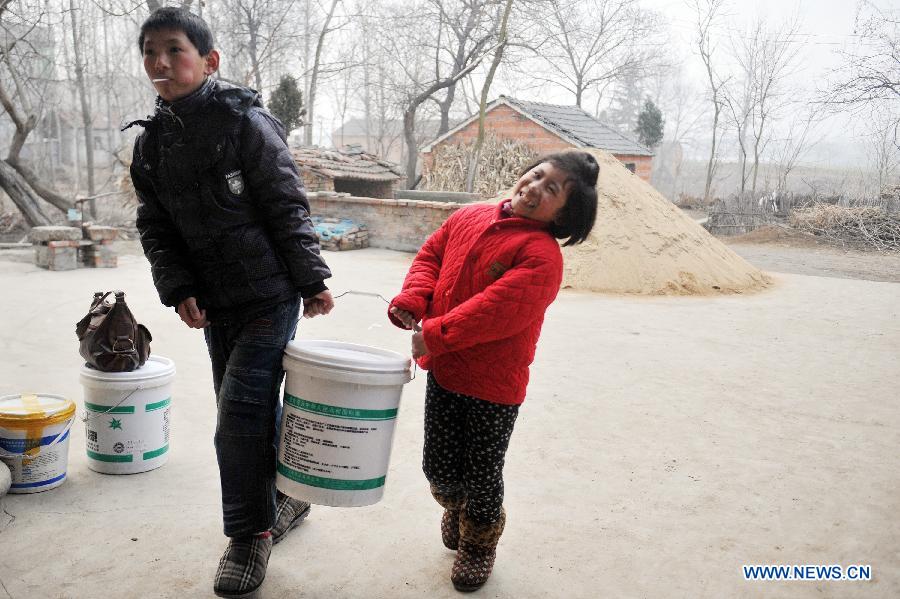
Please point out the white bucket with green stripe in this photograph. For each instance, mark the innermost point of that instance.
(127, 417)
(337, 425)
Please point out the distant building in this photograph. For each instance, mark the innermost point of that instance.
(348, 170)
(382, 138)
(548, 128)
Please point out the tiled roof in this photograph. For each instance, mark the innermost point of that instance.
(346, 163)
(577, 125)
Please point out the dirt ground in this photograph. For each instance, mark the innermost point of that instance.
(782, 249)
(664, 443)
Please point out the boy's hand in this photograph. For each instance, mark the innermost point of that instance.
(191, 315)
(321, 303)
(408, 320)
(419, 348)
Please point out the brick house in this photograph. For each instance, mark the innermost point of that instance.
(547, 128)
(348, 170)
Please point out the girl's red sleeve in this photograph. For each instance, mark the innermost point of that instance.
(418, 287)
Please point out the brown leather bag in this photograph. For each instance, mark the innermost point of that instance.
(111, 339)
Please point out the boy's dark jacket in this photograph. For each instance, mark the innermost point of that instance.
(223, 216)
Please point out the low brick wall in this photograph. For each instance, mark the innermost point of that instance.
(393, 224)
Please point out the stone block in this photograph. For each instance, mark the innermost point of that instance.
(44, 234)
(56, 258)
(98, 233)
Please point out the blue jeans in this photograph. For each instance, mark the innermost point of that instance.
(246, 354)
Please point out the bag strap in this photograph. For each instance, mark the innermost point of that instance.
(99, 296)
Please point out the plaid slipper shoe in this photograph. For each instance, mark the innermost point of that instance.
(242, 568)
(289, 512)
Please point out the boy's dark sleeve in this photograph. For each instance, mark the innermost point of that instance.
(163, 245)
(277, 190)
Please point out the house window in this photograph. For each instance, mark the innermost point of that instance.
(630, 166)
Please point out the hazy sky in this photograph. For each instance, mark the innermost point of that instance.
(826, 28)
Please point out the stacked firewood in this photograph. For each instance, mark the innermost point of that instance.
(502, 159)
(863, 226)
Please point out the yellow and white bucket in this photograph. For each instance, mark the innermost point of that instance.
(34, 440)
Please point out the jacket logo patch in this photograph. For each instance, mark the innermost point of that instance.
(496, 270)
(235, 182)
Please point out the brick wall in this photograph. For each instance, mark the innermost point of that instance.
(642, 164)
(503, 121)
(393, 224)
(314, 182)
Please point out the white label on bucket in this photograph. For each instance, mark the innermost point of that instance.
(126, 434)
(334, 447)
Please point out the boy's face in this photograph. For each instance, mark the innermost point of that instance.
(174, 65)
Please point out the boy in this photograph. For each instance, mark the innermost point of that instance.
(225, 224)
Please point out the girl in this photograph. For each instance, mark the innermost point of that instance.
(482, 283)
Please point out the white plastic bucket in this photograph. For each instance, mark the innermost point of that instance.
(127, 417)
(337, 425)
(34, 440)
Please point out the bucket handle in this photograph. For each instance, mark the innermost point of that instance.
(87, 418)
(416, 327)
(42, 448)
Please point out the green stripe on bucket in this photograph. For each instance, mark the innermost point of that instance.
(337, 412)
(108, 457)
(337, 484)
(158, 405)
(119, 410)
(149, 455)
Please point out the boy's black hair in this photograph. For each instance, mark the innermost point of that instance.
(576, 219)
(179, 19)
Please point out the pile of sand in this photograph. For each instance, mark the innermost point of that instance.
(644, 244)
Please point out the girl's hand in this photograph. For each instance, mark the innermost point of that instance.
(408, 320)
(419, 348)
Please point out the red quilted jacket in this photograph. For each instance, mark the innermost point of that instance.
(482, 284)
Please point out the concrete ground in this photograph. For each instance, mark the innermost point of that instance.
(664, 443)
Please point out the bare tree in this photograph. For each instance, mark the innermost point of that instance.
(314, 73)
(883, 149)
(777, 51)
(801, 136)
(86, 117)
(415, 53)
(740, 97)
(871, 71)
(26, 38)
(257, 35)
(707, 12)
(593, 42)
(485, 89)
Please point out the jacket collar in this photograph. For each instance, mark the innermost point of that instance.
(190, 103)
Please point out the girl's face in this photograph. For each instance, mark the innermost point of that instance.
(541, 193)
(174, 65)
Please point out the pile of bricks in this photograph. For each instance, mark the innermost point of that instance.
(56, 248)
(65, 248)
(101, 253)
(341, 234)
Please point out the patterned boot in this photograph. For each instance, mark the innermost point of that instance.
(450, 520)
(476, 554)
